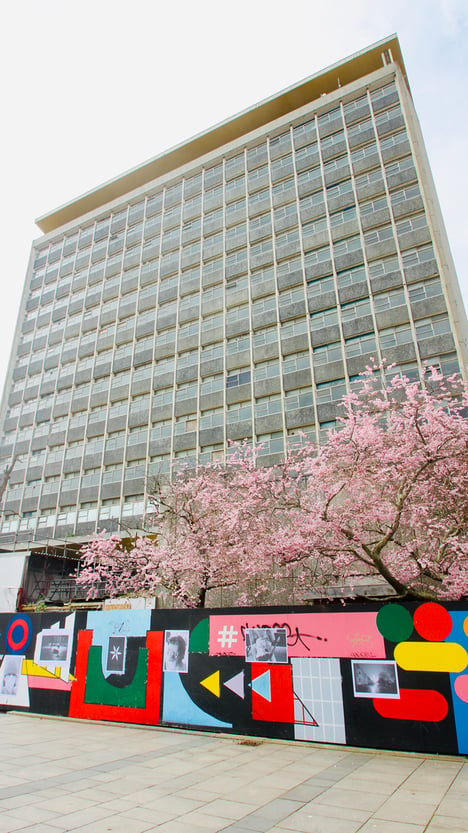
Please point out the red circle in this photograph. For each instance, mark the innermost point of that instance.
(16, 646)
(433, 622)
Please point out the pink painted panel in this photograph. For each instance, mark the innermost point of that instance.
(339, 635)
(51, 683)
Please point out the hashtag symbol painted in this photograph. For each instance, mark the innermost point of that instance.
(227, 637)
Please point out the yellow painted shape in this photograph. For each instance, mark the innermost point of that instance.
(465, 625)
(212, 683)
(30, 667)
(449, 657)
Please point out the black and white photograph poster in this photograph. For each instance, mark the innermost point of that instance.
(266, 645)
(14, 689)
(10, 673)
(375, 678)
(54, 647)
(176, 651)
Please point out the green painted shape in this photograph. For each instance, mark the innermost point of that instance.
(99, 692)
(395, 623)
(200, 637)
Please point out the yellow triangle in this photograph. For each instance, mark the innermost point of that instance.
(212, 683)
(30, 667)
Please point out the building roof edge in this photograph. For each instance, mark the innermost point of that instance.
(344, 72)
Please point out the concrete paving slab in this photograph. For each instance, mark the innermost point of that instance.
(312, 824)
(447, 824)
(374, 826)
(72, 820)
(116, 824)
(337, 796)
(331, 811)
(411, 810)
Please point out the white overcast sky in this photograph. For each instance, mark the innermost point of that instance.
(92, 88)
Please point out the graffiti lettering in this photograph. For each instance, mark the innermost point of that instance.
(293, 636)
(359, 638)
(362, 655)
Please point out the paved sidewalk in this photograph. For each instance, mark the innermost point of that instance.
(58, 775)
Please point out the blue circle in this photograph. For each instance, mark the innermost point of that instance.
(18, 634)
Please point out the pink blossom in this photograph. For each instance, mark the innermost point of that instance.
(385, 496)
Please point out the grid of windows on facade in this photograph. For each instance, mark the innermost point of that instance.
(240, 301)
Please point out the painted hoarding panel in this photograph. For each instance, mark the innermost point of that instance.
(391, 676)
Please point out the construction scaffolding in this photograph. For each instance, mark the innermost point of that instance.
(51, 573)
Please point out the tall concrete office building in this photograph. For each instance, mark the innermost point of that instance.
(232, 287)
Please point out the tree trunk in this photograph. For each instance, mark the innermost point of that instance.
(201, 598)
(5, 476)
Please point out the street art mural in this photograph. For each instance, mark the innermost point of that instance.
(393, 676)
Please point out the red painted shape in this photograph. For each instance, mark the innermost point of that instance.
(17, 623)
(414, 704)
(90, 711)
(281, 707)
(432, 622)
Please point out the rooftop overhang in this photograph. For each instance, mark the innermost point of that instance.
(345, 72)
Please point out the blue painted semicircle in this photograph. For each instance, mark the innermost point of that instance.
(179, 708)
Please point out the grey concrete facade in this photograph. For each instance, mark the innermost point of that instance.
(234, 287)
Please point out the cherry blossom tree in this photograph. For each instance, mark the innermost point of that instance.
(199, 547)
(386, 496)
(388, 493)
